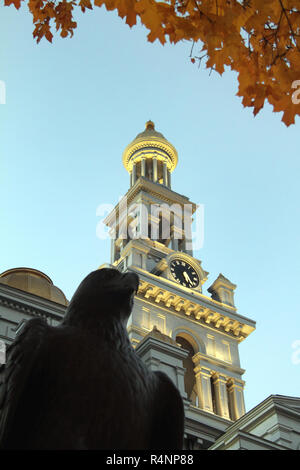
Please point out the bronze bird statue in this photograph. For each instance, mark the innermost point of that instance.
(80, 384)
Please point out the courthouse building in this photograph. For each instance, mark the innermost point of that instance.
(175, 326)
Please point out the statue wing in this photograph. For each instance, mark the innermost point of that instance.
(168, 430)
(21, 357)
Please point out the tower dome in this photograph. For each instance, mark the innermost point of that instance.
(150, 155)
(34, 282)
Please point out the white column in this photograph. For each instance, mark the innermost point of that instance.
(203, 386)
(165, 174)
(154, 227)
(143, 167)
(219, 382)
(133, 174)
(154, 163)
(187, 227)
(112, 250)
(176, 235)
(236, 398)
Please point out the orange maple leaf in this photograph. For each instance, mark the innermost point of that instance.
(260, 40)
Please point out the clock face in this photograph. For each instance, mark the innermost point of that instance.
(184, 273)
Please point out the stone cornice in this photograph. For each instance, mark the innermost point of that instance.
(150, 343)
(287, 410)
(209, 361)
(30, 304)
(259, 414)
(204, 424)
(154, 189)
(225, 442)
(150, 145)
(158, 290)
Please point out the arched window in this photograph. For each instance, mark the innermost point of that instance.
(149, 169)
(164, 230)
(188, 364)
(138, 169)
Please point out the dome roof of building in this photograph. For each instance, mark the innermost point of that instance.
(35, 282)
(150, 140)
(150, 132)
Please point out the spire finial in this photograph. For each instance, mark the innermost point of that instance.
(149, 125)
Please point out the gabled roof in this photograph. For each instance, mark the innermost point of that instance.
(279, 405)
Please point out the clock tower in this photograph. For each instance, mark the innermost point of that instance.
(175, 327)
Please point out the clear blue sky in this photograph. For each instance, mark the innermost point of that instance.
(71, 109)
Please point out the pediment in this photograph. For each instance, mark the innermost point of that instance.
(287, 402)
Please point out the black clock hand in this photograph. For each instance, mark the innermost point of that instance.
(187, 277)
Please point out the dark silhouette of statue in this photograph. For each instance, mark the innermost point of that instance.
(80, 385)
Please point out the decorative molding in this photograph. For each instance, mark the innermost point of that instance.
(214, 366)
(221, 321)
(152, 145)
(156, 190)
(27, 309)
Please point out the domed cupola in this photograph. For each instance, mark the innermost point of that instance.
(35, 282)
(150, 155)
